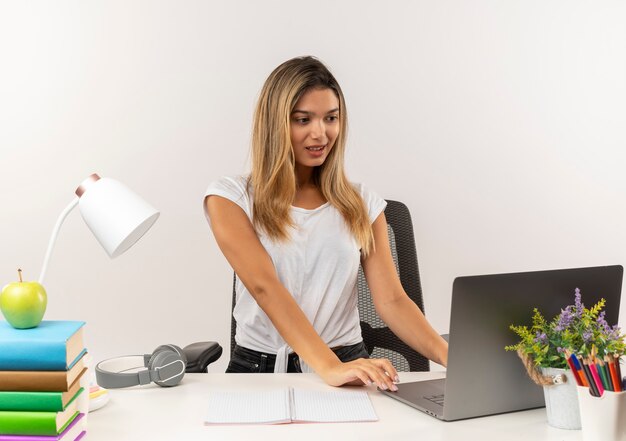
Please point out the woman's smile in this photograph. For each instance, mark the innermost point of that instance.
(316, 150)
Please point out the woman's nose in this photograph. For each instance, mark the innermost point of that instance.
(318, 130)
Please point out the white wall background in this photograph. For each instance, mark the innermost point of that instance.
(501, 124)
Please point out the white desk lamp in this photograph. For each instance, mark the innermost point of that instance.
(115, 215)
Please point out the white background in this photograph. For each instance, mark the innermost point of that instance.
(501, 124)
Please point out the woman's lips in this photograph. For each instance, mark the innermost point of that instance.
(316, 150)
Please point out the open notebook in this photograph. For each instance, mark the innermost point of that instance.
(289, 405)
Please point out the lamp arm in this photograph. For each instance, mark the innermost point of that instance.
(55, 233)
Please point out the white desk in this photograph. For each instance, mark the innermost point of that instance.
(155, 413)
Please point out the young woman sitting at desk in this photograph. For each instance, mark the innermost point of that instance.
(295, 230)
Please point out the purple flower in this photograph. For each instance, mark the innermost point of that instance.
(541, 338)
(587, 336)
(614, 333)
(578, 303)
(604, 326)
(560, 350)
(565, 319)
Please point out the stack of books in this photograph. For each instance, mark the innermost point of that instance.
(42, 382)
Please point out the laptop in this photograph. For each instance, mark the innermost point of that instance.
(482, 378)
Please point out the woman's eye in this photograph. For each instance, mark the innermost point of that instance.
(302, 120)
(332, 118)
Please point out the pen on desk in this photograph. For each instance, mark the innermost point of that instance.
(596, 377)
(590, 379)
(617, 385)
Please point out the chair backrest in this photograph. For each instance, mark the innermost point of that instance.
(378, 338)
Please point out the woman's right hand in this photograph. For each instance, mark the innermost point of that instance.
(363, 371)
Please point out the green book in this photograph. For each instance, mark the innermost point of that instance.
(38, 423)
(38, 401)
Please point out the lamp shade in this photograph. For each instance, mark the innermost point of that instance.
(116, 215)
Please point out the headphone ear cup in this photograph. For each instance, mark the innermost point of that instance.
(172, 348)
(180, 352)
(166, 355)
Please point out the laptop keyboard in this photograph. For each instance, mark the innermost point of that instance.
(437, 399)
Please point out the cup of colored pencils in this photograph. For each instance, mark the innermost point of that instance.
(601, 395)
(599, 374)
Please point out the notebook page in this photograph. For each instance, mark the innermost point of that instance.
(332, 406)
(248, 407)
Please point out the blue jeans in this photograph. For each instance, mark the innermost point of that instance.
(247, 361)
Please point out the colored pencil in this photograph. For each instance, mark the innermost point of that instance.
(596, 377)
(617, 365)
(579, 369)
(600, 374)
(604, 374)
(590, 380)
(574, 371)
(617, 386)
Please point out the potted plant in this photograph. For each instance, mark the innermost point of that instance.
(577, 329)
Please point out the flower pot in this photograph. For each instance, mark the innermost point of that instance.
(562, 401)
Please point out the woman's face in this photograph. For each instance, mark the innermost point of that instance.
(314, 126)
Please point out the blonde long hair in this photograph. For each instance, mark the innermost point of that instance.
(273, 177)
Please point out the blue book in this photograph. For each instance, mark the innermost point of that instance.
(51, 346)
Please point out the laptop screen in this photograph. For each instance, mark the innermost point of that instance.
(482, 378)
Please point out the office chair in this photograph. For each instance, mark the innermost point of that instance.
(378, 338)
(200, 355)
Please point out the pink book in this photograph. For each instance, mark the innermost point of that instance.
(73, 432)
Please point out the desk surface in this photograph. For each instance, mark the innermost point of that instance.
(155, 413)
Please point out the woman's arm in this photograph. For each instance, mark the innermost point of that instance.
(242, 248)
(392, 303)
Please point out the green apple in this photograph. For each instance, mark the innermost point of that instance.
(23, 303)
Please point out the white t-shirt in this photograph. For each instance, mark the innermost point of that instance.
(318, 266)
